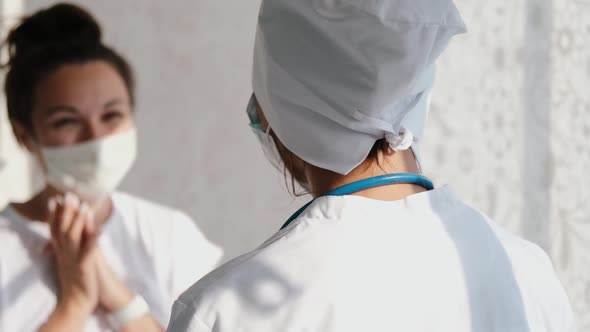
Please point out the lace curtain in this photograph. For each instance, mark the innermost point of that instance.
(510, 127)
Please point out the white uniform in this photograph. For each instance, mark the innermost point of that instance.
(425, 263)
(158, 252)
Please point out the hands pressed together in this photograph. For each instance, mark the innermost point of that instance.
(86, 281)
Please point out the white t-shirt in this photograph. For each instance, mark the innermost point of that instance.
(422, 264)
(158, 253)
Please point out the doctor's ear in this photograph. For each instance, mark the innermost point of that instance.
(23, 136)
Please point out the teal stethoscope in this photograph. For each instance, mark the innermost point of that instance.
(378, 181)
(351, 188)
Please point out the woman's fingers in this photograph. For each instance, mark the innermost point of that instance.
(74, 234)
(51, 206)
(55, 206)
(69, 211)
(89, 235)
(65, 211)
(72, 225)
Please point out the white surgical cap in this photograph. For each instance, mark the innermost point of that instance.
(334, 76)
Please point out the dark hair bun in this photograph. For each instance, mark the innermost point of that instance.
(59, 24)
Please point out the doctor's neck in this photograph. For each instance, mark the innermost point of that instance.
(385, 162)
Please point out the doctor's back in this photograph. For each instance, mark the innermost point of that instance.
(341, 94)
(426, 263)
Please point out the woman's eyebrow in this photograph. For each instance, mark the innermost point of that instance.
(114, 102)
(56, 109)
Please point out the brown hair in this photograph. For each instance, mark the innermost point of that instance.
(296, 172)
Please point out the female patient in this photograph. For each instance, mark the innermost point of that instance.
(79, 256)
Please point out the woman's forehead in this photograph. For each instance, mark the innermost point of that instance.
(85, 87)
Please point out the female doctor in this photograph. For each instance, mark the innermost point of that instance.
(341, 93)
(79, 256)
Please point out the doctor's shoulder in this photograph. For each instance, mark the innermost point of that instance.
(196, 308)
(539, 282)
(537, 278)
(527, 258)
(227, 288)
(540, 278)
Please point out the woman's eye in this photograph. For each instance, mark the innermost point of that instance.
(57, 124)
(112, 116)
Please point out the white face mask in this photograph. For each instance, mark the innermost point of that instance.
(92, 170)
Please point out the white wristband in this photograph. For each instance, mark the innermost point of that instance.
(135, 309)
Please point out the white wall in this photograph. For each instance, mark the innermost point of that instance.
(509, 129)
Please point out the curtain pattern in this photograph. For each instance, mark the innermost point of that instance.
(510, 127)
